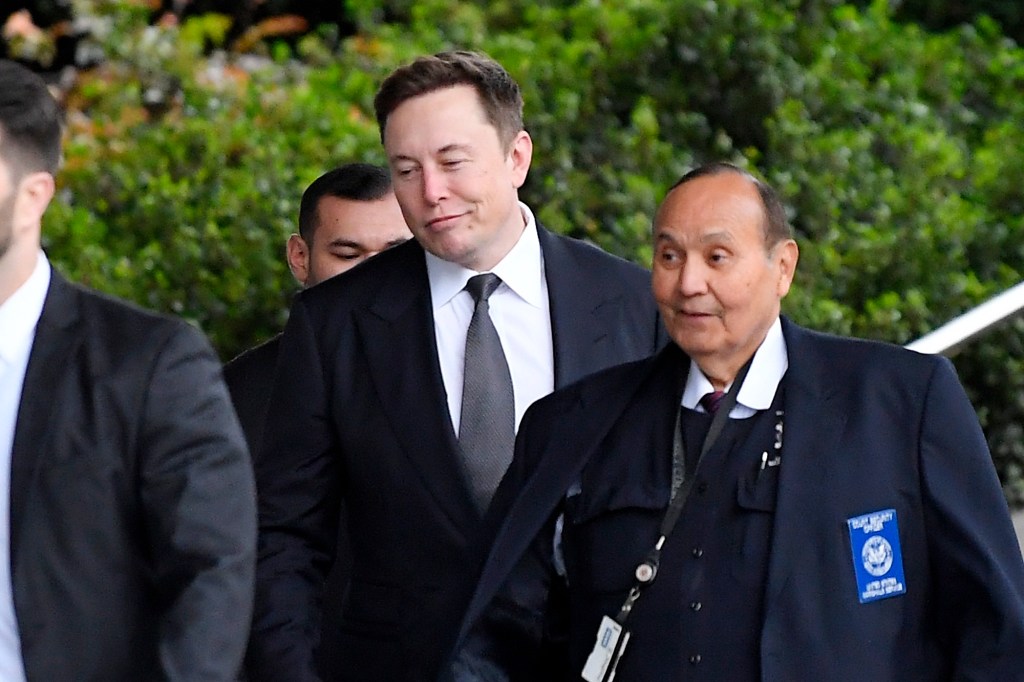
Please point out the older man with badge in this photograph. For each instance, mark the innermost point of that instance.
(756, 502)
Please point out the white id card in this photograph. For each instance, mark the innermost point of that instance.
(606, 651)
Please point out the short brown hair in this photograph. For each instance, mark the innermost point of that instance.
(499, 94)
(776, 226)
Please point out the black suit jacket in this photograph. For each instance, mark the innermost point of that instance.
(250, 377)
(133, 521)
(868, 427)
(359, 411)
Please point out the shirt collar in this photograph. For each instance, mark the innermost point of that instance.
(20, 313)
(521, 269)
(766, 371)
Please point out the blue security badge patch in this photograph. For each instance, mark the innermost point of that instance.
(877, 559)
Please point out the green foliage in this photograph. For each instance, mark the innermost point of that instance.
(189, 211)
(899, 152)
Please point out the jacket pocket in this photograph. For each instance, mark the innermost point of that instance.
(755, 500)
(607, 533)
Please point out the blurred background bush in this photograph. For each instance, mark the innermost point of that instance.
(894, 131)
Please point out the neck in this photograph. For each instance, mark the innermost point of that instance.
(720, 377)
(15, 269)
(722, 371)
(503, 246)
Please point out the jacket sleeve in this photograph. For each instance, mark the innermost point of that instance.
(198, 496)
(979, 572)
(297, 478)
(521, 633)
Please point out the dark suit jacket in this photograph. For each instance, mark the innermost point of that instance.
(133, 521)
(868, 427)
(359, 411)
(250, 378)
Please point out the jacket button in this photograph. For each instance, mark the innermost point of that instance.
(697, 552)
(695, 606)
(695, 659)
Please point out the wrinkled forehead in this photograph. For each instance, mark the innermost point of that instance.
(727, 203)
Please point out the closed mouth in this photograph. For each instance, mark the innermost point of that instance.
(442, 219)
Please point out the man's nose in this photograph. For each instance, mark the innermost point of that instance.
(435, 186)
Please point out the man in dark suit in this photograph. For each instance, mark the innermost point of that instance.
(840, 517)
(129, 547)
(368, 404)
(346, 215)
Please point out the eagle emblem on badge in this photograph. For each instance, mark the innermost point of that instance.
(877, 555)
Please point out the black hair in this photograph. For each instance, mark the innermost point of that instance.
(30, 122)
(353, 181)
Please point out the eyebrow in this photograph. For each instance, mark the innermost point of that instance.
(345, 242)
(721, 235)
(357, 245)
(447, 149)
(454, 147)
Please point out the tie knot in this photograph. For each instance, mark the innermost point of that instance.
(480, 287)
(711, 401)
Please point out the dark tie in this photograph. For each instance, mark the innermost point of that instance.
(487, 427)
(711, 401)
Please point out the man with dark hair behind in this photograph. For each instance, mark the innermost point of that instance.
(346, 215)
(400, 383)
(128, 519)
(756, 502)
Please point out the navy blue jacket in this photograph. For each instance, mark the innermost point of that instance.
(868, 427)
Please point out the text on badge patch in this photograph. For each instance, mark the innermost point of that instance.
(877, 557)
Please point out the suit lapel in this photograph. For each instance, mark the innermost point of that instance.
(397, 331)
(577, 321)
(57, 333)
(812, 427)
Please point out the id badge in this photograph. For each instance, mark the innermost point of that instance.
(877, 557)
(608, 648)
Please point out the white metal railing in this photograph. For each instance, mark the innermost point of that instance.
(954, 335)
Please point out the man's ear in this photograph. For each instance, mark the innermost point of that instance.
(35, 191)
(787, 253)
(298, 258)
(519, 157)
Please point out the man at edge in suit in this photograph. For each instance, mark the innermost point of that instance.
(840, 515)
(346, 215)
(128, 522)
(369, 404)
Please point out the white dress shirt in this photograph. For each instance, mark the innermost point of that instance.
(520, 311)
(758, 390)
(19, 315)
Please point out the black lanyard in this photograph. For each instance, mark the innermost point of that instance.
(648, 570)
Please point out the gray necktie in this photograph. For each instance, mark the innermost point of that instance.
(487, 427)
